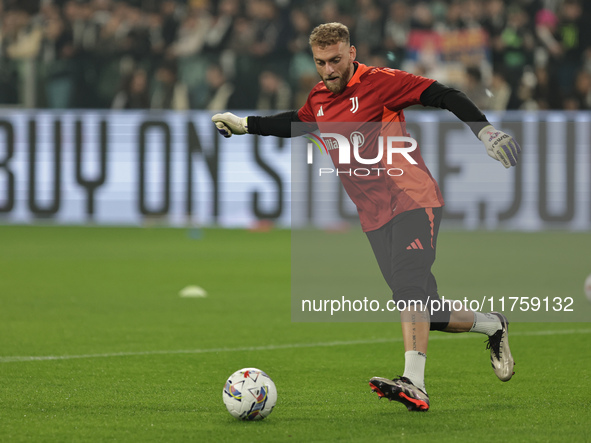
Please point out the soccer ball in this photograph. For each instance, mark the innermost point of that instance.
(249, 394)
(588, 287)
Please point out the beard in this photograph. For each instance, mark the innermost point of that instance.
(338, 86)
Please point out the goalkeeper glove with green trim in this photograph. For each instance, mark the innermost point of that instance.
(500, 146)
(228, 124)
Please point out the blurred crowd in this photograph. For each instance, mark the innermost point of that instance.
(254, 54)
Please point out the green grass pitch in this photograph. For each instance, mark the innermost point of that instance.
(133, 361)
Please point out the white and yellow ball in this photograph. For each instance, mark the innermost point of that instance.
(249, 394)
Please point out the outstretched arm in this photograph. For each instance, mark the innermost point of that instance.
(499, 145)
(278, 125)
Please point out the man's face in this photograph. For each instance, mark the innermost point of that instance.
(334, 64)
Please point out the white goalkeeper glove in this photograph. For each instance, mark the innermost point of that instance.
(500, 146)
(228, 124)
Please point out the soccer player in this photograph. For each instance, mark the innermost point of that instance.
(399, 214)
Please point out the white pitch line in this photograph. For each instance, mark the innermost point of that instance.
(11, 359)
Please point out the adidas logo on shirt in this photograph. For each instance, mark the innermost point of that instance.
(320, 112)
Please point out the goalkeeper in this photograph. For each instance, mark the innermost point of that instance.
(400, 215)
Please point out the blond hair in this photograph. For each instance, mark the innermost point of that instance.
(329, 34)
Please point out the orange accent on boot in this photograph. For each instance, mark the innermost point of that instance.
(420, 403)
